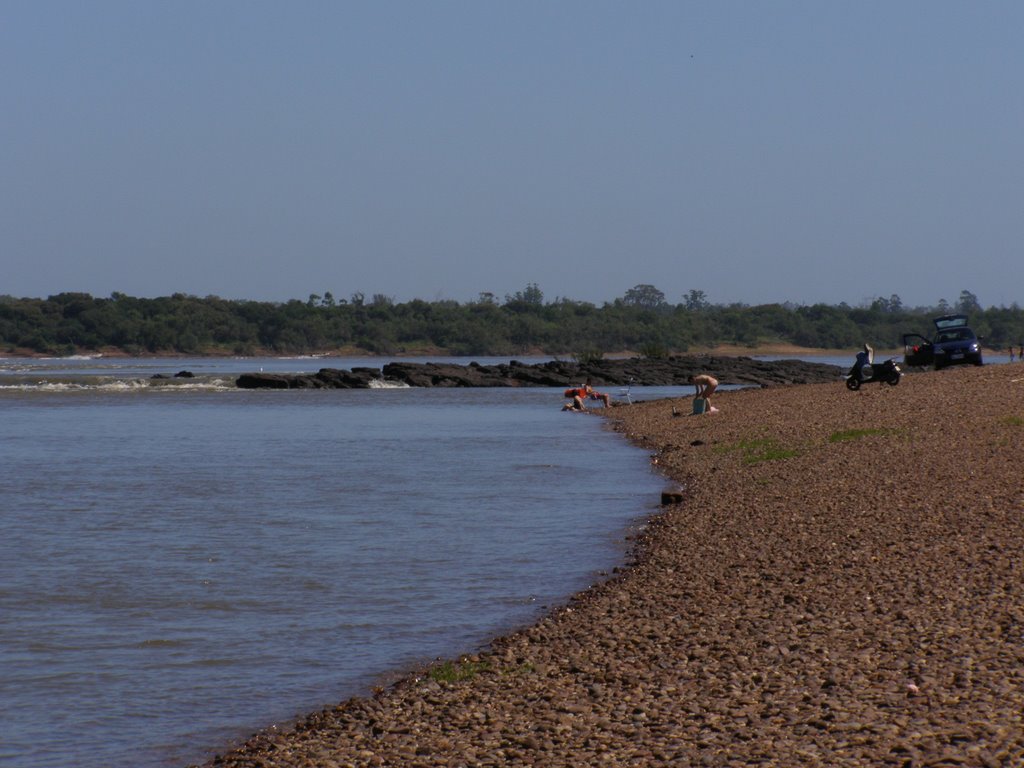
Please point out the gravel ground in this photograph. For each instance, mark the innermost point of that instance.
(843, 584)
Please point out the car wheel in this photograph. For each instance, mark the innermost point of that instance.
(853, 383)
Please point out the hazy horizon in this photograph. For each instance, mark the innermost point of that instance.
(793, 152)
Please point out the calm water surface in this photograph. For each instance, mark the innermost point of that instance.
(182, 563)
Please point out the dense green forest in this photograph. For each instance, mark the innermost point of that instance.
(641, 320)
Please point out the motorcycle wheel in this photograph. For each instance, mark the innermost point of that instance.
(853, 383)
(894, 380)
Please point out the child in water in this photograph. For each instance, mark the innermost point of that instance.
(579, 394)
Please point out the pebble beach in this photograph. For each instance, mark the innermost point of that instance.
(839, 582)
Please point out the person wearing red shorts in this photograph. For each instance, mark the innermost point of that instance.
(585, 392)
(593, 394)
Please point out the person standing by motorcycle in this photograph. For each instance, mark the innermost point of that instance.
(865, 357)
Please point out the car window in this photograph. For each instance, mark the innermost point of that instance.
(947, 322)
(963, 334)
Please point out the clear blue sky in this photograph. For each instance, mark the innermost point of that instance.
(759, 151)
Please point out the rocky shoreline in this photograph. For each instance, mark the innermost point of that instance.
(843, 584)
(670, 371)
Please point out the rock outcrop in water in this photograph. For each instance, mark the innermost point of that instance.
(325, 378)
(672, 371)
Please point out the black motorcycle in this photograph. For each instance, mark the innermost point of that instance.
(887, 372)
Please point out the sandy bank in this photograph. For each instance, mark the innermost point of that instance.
(844, 585)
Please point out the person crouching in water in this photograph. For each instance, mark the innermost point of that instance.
(705, 386)
(580, 394)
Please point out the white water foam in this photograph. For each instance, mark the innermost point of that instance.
(120, 385)
(384, 384)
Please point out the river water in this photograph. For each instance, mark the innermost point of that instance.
(183, 563)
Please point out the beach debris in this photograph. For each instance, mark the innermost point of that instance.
(671, 496)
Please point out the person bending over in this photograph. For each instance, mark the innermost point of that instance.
(583, 393)
(705, 386)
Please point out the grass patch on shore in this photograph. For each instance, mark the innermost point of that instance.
(762, 449)
(456, 672)
(1014, 421)
(855, 434)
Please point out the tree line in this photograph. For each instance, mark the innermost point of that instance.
(641, 320)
